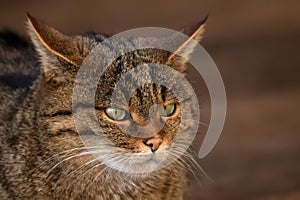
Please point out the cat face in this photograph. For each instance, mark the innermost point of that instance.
(130, 117)
(125, 124)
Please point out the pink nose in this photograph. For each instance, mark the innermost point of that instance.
(153, 142)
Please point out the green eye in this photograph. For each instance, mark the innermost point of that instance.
(116, 114)
(168, 110)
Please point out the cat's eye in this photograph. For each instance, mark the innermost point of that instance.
(116, 114)
(168, 110)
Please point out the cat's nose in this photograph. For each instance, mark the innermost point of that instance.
(153, 142)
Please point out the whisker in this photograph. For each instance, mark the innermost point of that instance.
(66, 152)
(82, 166)
(99, 174)
(75, 156)
(193, 120)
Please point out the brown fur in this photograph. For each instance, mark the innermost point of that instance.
(36, 124)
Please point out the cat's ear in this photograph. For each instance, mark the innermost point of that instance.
(53, 47)
(186, 49)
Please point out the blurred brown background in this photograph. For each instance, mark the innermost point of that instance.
(254, 43)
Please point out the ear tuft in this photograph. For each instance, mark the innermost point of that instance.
(54, 48)
(186, 49)
(196, 29)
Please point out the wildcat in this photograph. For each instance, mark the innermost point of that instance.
(42, 156)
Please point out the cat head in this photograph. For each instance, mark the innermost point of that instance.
(61, 57)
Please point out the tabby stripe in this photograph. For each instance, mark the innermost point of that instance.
(140, 96)
(63, 132)
(163, 91)
(166, 188)
(58, 113)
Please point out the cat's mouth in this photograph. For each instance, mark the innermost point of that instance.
(138, 162)
(156, 157)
